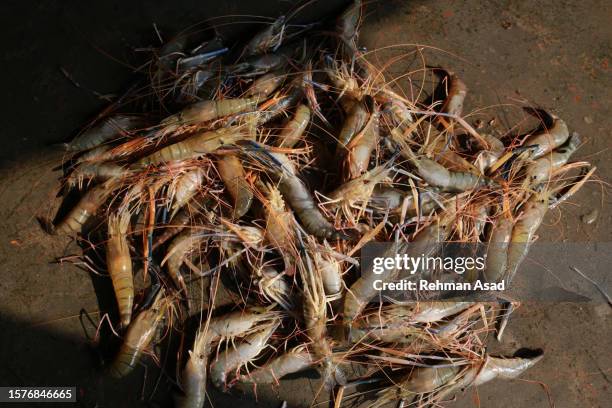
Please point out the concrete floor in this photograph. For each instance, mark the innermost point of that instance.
(551, 53)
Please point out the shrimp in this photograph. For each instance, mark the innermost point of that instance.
(194, 375)
(239, 323)
(385, 198)
(177, 251)
(348, 22)
(315, 319)
(280, 226)
(266, 39)
(180, 220)
(185, 188)
(452, 181)
(524, 230)
(362, 291)
(139, 335)
(293, 361)
(86, 207)
(119, 265)
(457, 90)
(330, 271)
(101, 171)
(486, 158)
(420, 380)
(497, 251)
(497, 367)
(233, 175)
(299, 198)
(292, 132)
(109, 129)
(243, 353)
(206, 110)
(554, 134)
(540, 170)
(263, 86)
(361, 146)
(356, 119)
(195, 146)
(360, 189)
(274, 287)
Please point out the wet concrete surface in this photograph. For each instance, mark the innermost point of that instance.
(554, 54)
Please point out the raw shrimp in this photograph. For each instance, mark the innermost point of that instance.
(239, 323)
(280, 226)
(540, 170)
(109, 129)
(524, 230)
(267, 39)
(86, 207)
(497, 367)
(194, 376)
(486, 158)
(293, 130)
(330, 271)
(206, 110)
(119, 264)
(263, 86)
(300, 199)
(457, 90)
(102, 171)
(274, 287)
(195, 146)
(361, 146)
(234, 358)
(497, 251)
(358, 190)
(185, 188)
(180, 246)
(233, 175)
(362, 291)
(348, 22)
(315, 319)
(453, 181)
(552, 136)
(356, 119)
(292, 361)
(139, 335)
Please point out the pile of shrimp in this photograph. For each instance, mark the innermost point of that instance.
(260, 170)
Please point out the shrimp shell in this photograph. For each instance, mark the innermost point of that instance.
(86, 207)
(195, 146)
(139, 335)
(452, 181)
(243, 353)
(207, 110)
(548, 139)
(109, 129)
(291, 362)
(292, 132)
(263, 86)
(496, 367)
(540, 170)
(356, 119)
(185, 188)
(497, 252)
(524, 230)
(119, 264)
(361, 147)
(301, 201)
(233, 175)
